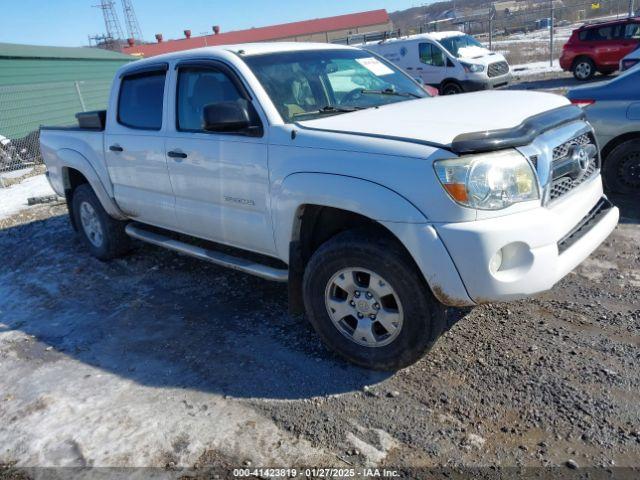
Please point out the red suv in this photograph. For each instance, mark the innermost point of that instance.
(599, 47)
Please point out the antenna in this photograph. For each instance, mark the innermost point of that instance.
(131, 21)
(112, 24)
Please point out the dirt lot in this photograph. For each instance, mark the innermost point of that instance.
(160, 360)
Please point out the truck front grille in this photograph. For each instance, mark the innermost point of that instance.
(498, 68)
(563, 184)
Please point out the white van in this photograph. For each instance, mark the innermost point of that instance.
(454, 62)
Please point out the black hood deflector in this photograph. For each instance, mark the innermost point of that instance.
(519, 136)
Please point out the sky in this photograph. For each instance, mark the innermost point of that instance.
(70, 22)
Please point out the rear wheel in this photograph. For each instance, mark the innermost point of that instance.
(369, 303)
(621, 170)
(583, 69)
(103, 235)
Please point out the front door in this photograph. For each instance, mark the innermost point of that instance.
(134, 149)
(432, 67)
(220, 180)
(631, 38)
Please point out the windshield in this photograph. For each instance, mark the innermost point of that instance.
(454, 44)
(313, 83)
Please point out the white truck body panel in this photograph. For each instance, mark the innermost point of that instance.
(248, 192)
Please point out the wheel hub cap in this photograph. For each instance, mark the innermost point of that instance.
(629, 172)
(364, 307)
(91, 224)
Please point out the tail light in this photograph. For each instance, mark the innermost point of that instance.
(583, 102)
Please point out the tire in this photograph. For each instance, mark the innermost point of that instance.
(102, 235)
(583, 69)
(420, 318)
(621, 168)
(451, 88)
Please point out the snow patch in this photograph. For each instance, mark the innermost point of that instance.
(472, 52)
(535, 68)
(14, 198)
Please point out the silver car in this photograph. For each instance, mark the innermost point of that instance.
(613, 108)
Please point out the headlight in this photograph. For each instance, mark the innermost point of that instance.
(488, 181)
(472, 67)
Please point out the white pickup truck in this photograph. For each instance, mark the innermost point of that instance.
(330, 168)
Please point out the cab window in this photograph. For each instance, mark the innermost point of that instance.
(431, 55)
(198, 87)
(140, 101)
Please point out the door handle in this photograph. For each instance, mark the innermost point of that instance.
(174, 154)
(116, 148)
(409, 68)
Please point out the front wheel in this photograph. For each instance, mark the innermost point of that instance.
(451, 88)
(369, 303)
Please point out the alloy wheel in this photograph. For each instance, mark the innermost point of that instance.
(364, 307)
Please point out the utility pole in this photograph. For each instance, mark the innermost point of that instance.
(551, 27)
(492, 17)
(631, 10)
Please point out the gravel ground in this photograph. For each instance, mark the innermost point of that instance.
(160, 360)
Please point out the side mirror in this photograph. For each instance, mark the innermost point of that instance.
(227, 117)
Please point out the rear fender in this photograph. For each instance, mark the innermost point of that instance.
(72, 159)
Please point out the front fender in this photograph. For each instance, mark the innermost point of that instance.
(71, 159)
(364, 197)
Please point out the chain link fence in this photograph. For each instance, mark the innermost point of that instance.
(525, 32)
(24, 108)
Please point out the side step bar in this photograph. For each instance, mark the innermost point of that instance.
(241, 264)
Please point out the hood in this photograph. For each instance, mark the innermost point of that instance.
(473, 52)
(438, 120)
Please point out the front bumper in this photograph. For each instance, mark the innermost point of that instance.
(535, 251)
(485, 83)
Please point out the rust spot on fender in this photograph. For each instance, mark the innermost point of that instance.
(447, 299)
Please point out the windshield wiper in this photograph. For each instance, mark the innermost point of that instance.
(329, 109)
(390, 91)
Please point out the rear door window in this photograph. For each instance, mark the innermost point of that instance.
(140, 101)
(431, 55)
(602, 34)
(632, 31)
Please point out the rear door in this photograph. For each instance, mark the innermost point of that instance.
(607, 44)
(134, 148)
(221, 180)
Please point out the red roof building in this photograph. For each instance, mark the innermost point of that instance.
(318, 30)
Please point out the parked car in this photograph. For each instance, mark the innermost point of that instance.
(451, 61)
(631, 59)
(332, 169)
(613, 108)
(599, 47)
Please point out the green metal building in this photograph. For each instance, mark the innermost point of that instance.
(49, 85)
